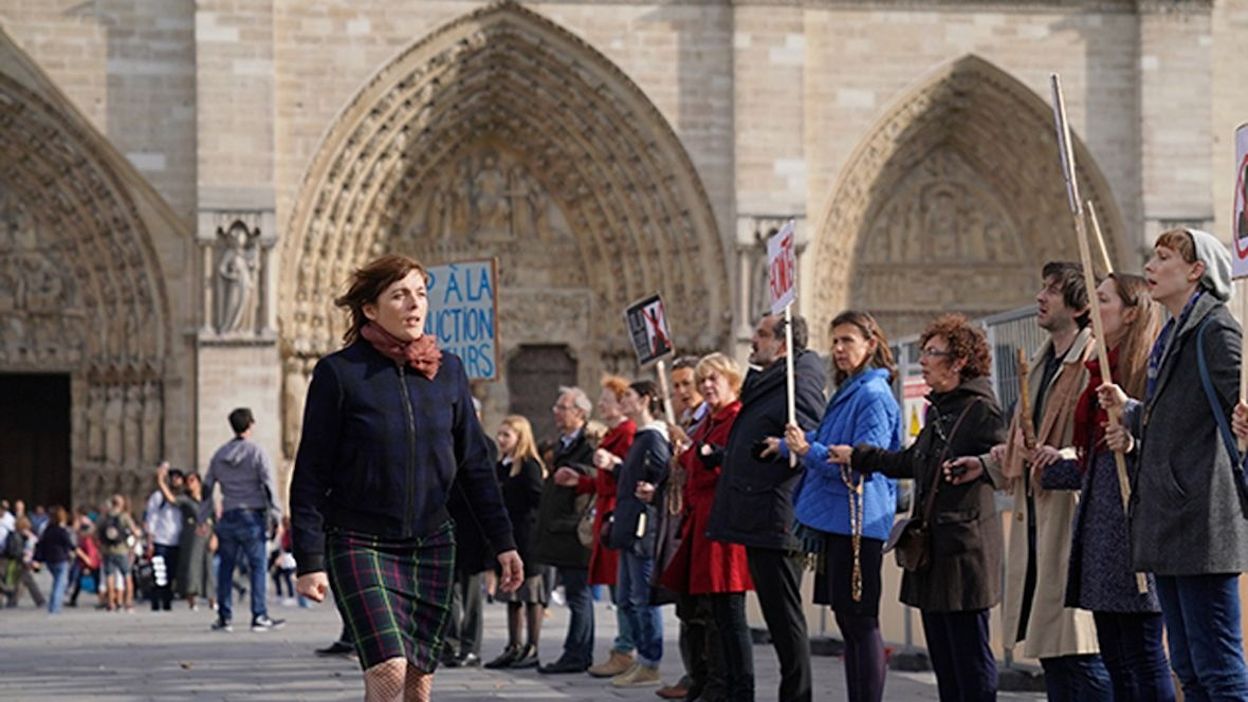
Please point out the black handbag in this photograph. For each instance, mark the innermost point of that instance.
(910, 539)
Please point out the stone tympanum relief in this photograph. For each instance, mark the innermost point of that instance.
(40, 304)
(950, 204)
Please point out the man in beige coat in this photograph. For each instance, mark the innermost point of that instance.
(1034, 611)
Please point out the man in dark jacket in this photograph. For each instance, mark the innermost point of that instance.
(556, 542)
(754, 500)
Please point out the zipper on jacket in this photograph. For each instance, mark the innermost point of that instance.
(409, 478)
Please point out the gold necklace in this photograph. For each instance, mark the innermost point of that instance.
(855, 527)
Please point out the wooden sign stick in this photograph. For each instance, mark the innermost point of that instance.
(1085, 258)
(1100, 238)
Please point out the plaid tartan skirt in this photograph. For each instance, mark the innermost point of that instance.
(395, 596)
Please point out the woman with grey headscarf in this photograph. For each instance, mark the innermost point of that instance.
(1189, 522)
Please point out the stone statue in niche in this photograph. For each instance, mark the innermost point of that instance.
(236, 279)
(113, 416)
(132, 429)
(438, 214)
(490, 201)
(95, 423)
(152, 414)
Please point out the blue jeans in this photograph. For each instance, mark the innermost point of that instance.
(623, 629)
(1077, 679)
(645, 619)
(1202, 624)
(60, 579)
(241, 532)
(1131, 646)
(578, 646)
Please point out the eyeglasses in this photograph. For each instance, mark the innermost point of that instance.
(562, 408)
(934, 353)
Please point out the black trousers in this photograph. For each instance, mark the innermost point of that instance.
(959, 646)
(736, 649)
(777, 578)
(463, 631)
(700, 636)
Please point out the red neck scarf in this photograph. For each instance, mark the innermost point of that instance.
(1090, 418)
(422, 354)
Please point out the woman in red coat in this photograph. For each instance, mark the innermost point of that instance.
(714, 574)
(604, 562)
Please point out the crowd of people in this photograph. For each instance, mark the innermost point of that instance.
(729, 496)
(1130, 505)
(184, 544)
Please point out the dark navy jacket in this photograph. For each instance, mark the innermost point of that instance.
(380, 449)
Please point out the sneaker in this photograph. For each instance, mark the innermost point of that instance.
(222, 625)
(264, 623)
(638, 676)
(288, 602)
(613, 666)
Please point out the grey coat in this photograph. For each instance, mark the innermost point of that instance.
(1186, 517)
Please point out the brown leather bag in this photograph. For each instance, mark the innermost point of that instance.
(910, 539)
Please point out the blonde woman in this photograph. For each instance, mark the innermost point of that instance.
(521, 475)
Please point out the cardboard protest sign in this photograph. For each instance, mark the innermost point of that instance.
(782, 267)
(647, 329)
(463, 314)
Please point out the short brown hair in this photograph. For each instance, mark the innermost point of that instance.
(369, 282)
(1180, 241)
(883, 356)
(966, 341)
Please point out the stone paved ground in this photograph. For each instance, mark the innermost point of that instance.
(87, 654)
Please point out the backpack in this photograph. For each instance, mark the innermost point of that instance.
(13, 545)
(114, 531)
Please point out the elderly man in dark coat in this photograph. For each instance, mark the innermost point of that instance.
(556, 542)
(754, 499)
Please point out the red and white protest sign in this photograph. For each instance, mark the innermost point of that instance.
(782, 267)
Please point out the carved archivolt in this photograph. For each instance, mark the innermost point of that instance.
(951, 203)
(504, 135)
(80, 290)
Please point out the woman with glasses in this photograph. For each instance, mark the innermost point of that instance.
(848, 514)
(960, 578)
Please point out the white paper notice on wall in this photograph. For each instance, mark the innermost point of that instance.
(1239, 220)
(782, 267)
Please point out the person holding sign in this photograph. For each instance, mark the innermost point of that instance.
(754, 499)
(1100, 578)
(953, 576)
(389, 422)
(633, 531)
(1035, 611)
(849, 514)
(1189, 526)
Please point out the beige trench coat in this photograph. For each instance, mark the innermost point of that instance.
(1053, 629)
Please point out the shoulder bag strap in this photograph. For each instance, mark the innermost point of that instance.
(1224, 428)
(930, 502)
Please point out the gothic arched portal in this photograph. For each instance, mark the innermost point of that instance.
(502, 134)
(81, 290)
(951, 203)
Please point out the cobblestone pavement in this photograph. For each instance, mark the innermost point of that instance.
(85, 654)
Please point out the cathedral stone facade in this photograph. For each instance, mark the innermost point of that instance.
(185, 186)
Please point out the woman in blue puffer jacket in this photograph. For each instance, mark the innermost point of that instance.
(852, 512)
